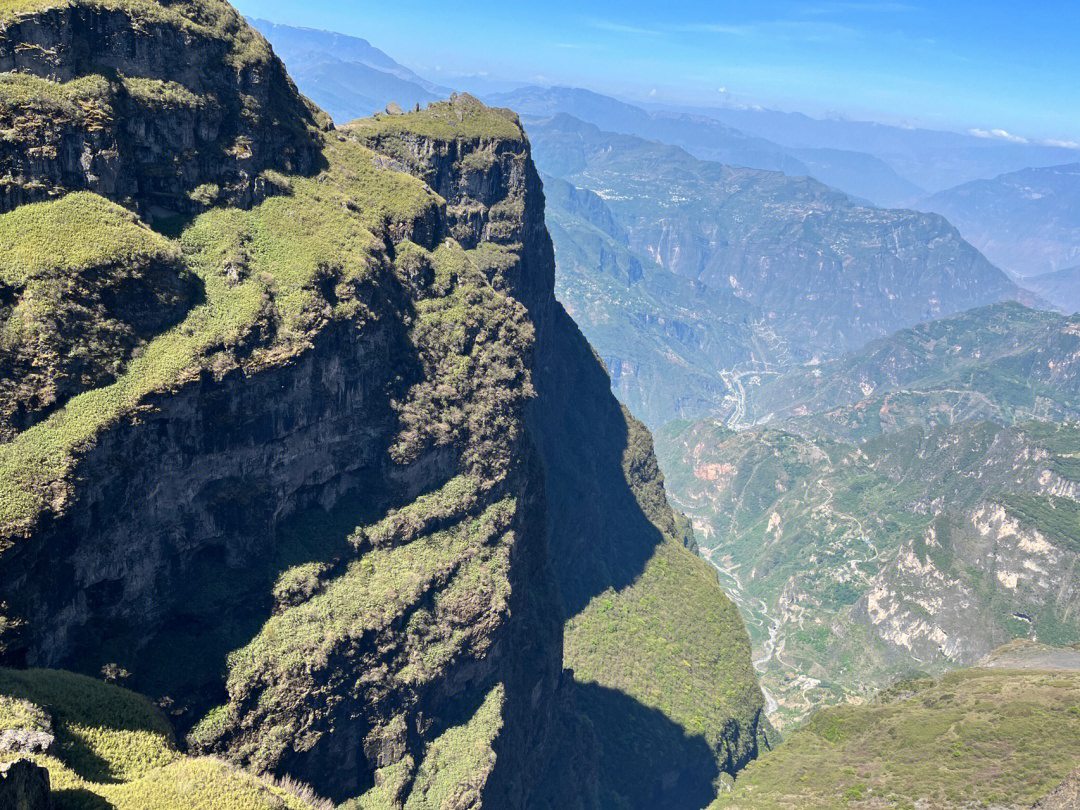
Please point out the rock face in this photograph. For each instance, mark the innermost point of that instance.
(24, 786)
(960, 591)
(1065, 797)
(334, 516)
(122, 117)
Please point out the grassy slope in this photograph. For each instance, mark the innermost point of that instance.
(973, 738)
(208, 18)
(114, 746)
(807, 523)
(253, 264)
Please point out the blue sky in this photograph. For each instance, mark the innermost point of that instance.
(1010, 67)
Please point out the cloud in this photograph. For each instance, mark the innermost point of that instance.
(998, 134)
(1062, 144)
(652, 93)
(714, 28)
(620, 28)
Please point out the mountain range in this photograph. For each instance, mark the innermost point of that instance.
(857, 173)
(346, 76)
(1026, 222)
(314, 490)
(901, 509)
(936, 159)
(734, 239)
(298, 445)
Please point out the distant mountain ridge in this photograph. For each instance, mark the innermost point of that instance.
(856, 173)
(704, 137)
(346, 76)
(936, 159)
(797, 268)
(1062, 287)
(1026, 222)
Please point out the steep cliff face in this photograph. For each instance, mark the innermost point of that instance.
(92, 101)
(311, 506)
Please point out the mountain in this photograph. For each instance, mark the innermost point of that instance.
(1061, 286)
(735, 239)
(704, 137)
(1004, 362)
(1026, 222)
(861, 175)
(903, 511)
(299, 445)
(934, 159)
(666, 340)
(993, 737)
(856, 173)
(346, 76)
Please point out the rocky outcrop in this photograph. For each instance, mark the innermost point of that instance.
(1065, 796)
(123, 117)
(24, 786)
(971, 582)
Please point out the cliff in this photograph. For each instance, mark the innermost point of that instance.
(328, 491)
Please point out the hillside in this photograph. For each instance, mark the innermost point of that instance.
(311, 456)
(665, 340)
(1061, 286)
(346, 76)
(982, 737)
(1004, 362)
(894, 518)
(106, 746)
(1026, 222)
(734, 239)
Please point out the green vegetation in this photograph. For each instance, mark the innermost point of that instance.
(114, 746)
(267, 264)
(85, 99)
(160, 93)
(805, 527)
(673, 642)
(1054, 515)
(76, 309)
(974, 738)
(206, 18)
(462, 118)
(51, 239)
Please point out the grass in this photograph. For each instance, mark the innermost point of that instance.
(75, 100)
(270, 264)
(113, 746)
(674, 642)
(456, 568)
(214, 19)
(161, 93)
(50, 238)
(453, 768)
(974, 738)
(463, 118)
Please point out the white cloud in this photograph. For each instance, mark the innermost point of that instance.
(714, 28)
(1063, 144)
(998, 134)
(652, 93)
(620, 28)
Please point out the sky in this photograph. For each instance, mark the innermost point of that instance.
(1004, 69)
